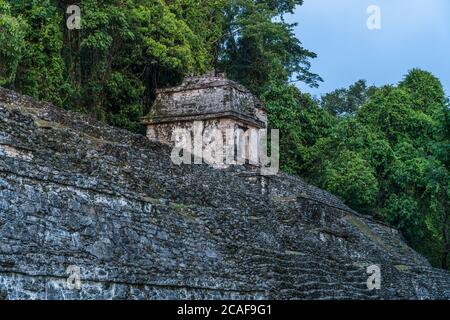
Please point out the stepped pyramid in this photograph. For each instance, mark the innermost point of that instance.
(76, 194)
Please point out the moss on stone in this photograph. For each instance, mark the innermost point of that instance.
(402, 267)
(183, 210)
(364, 228)
(43, 124)
(284, 199)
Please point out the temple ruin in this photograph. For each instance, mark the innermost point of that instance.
(205, 104)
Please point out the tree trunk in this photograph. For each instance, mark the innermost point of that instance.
(445, 261)
(446, 243)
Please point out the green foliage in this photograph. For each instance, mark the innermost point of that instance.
(337, 157)
(389, 158)
(345, 102)
(300, 121)
(425, 89)
(259, 48)
(167, 40)
(128, 48)
(403, 212)
(391, 110)
(351, 177)
(41, 71)
(111, 67)
(11, 43)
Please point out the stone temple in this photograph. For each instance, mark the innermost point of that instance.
(206, 107)
(211, 99)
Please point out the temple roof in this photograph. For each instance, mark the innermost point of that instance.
(205, 81)
(205, 97)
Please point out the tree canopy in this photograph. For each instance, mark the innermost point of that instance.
(388, 158)
(126, 49)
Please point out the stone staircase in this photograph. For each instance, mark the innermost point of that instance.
(301, 275)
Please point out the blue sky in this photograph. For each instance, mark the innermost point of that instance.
(414, 33)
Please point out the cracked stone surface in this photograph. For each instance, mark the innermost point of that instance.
(75, 192)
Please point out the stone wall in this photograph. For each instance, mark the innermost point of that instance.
(74, 192)
(240, 142)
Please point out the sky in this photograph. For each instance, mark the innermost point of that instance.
(413, 34)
